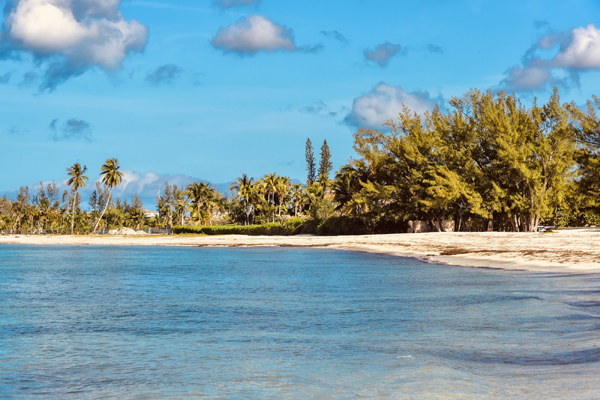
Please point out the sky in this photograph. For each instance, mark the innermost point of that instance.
(187, 90)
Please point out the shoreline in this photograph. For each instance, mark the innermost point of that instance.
(565, 251)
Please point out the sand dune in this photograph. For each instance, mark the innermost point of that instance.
(572, 250)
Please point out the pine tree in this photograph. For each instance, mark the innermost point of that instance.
(310, 162)
(136, 202)
(325, 164)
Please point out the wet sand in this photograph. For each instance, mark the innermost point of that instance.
(565, 251)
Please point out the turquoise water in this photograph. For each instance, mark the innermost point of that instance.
(265, 323)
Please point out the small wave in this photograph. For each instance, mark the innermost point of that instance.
(587, 356)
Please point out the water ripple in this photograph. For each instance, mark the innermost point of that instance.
(162, 323)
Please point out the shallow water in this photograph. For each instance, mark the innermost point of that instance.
(268, 323)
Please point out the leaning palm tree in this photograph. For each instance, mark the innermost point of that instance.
(76, 181)
(111, 177)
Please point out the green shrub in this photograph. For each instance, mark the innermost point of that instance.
(333, 226)
(294, 225)
(291, 227)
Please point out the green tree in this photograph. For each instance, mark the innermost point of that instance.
(111, 177)
(325, 165)
(246, 191)
(269, 185)
(136, 202)
(297, 194)
(281, 189)
(77, 180)
(310, 162)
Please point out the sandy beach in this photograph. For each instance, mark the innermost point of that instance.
(566, 251)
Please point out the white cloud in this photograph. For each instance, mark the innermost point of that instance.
(577, 51)
(385, 102)
(84, 33)
(147, 185)
(581, 50)
(527, 78)
(253, 34)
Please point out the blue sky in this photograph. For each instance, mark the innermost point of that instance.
(185, 90)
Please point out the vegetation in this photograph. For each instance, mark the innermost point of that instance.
(76, 181)
(310, 163)
(488, 162)
(290, 227)
(111, 177)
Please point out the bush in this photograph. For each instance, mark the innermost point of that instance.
(294, 225)
(291, 227)
(333, 226)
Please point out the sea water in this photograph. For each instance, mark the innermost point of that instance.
(279, 323)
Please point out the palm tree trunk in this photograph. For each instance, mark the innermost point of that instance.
(73, 213)
(247, 213)
(105, 207)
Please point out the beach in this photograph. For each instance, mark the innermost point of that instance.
(561, 251)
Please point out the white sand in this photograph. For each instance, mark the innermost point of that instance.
(570, 251)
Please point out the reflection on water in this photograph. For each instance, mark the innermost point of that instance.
(162, 323)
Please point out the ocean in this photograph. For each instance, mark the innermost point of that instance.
(94, 322)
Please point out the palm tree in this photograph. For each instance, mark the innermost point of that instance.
(314, 192)
(269, 185)
(282, 188)
(201, 194)
(245, 189)
(297, 194)
(136, 216)
(111, 177)
(76, 181)
(182, 205)
(194, 193)
(208, 196)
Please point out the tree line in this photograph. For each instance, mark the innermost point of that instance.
(488, 162)
(251, 201)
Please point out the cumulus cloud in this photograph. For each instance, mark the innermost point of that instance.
(256, 33)
(73, 35)
(335, 35)
(382, 54)
(581, 51)
(224, 4)
(4, 79)
(529, 78)
(164, 74)
(147, 185)
(76, 129)
(578, 51)
(385, 102)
